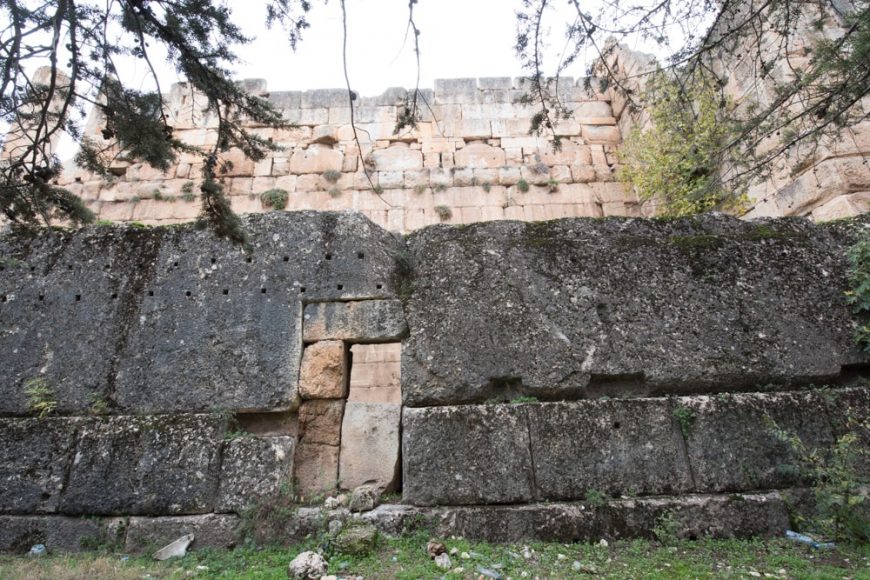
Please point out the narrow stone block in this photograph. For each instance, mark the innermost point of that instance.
(322, 374)
(370, 445)
(315, 468)
(320, 422)
(209, 531)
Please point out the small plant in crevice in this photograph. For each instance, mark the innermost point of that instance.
(444, 213)
(552, 186)
(595, 497)
(41, 398)
(420, 189)
(666, 529)
(275, 198)
(378, 189)
(331, 175)
(99, 404)
(523, 186)
(523, 399)
(685, 419)
(439, 187)
(539, 168)
(266, 520)
(135, 199)
(858, 295)
(486, 186)
(334, 192)
(187, 187)
(839, 488)
(403, 275)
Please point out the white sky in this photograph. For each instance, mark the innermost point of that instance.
(459, 38)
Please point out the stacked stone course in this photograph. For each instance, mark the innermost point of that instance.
(468, 153)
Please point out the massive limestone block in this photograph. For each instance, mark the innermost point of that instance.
(146, 466)
(316, 159)
(611, 447)
(479, 155)
(323, 371)
(370, 445)
(576, 307)
(732, 439)
(234, 341)
(35, 455)
(366, 321)
(466, 455)
(398, 157)
(67, 300)
(254, 469)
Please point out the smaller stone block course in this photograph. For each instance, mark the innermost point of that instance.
(612, 447)
(59, 534)
(315, 468)
(731, 441)
(146, 465)
(35, 455)
(253, 468)
(466, 455)
(209, 531)
(323, 370)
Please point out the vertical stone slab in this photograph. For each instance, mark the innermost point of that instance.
(376, 373)
(370, 445)
(732, 444)
(315, 469)
(253, 468)
(472, 454)
(323, 371)
(615, 447)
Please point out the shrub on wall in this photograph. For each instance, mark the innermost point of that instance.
(677, 158)
(275, 198)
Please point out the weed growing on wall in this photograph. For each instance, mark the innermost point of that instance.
(677, 159)
(841, 510)
(41, 399)
(685, 418)
(858, 296)
(444, 212)
(331, 175)
(275, 198)
(523, 186)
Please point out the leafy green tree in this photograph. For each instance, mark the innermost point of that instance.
(676, 160)
(83, 41)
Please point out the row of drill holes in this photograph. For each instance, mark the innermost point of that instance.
(188, 293)
(249, 259)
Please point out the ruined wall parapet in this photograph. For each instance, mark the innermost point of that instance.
(470, 159)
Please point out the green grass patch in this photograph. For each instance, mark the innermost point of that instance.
(406, 558)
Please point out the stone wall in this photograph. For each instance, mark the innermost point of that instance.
(542, 365)
(462, 164)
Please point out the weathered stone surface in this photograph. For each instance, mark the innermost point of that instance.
(357, 539)
(612, 447)
(323, 372)
(479, 155)
(35, 455)
(145, 465)
(397, 158)
(315, 468)
(253, 468)
(69, 300)
(365, 320)
(58, 533)
(848, 410)
(466, 455)
(575, 307)
(316, 159)
(209, 530)
(234, 343)
(732, 444)
(370, 445)
(695, 516)
(320, 422)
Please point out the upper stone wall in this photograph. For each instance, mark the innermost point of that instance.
(463, 163)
